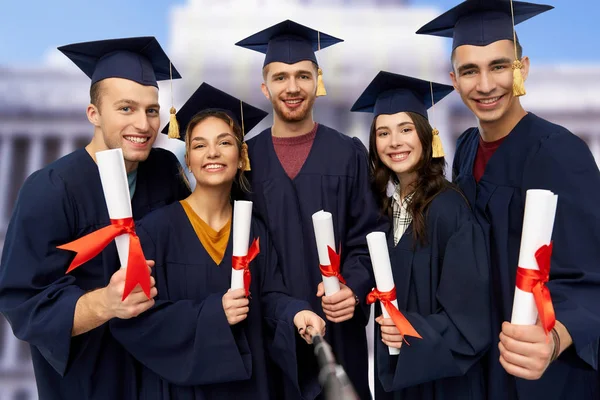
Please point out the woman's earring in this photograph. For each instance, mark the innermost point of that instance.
(240, 165)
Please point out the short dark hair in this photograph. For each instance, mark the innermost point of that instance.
(518, 45)
(96, 93)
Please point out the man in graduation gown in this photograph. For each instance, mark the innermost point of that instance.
(300, 167)
(510, 151)
(63, 317)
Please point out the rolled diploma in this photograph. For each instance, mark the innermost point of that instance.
(115, 186)
(323, 225)
(538, 222)
(242, 216)
(382, 268)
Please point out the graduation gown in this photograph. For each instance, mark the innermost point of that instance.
(334, 178)
(56, 205)
(443, 290)
(540, 155)
(186, 346)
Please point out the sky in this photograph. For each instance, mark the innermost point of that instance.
(31, 28)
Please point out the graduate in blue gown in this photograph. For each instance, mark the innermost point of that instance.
(301, 167)
(201, 340)
(437, 251)
(61, 316)
(510, 151)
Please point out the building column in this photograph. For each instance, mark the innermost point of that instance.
(6, 155)
(10, 348)
(35, 155)
(594, 143)
(67, 145)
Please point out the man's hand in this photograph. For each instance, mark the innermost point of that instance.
(135, 304)
(526, 351)
(339, 306)
(99, 306)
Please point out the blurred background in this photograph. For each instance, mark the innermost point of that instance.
(43, 96)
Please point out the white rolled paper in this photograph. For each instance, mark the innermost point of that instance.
(115, 186)
(538, 222)
(323, 225)
(382, 268)
(242, 216)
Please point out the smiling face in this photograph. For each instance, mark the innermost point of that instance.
(483, 77)
(126, 117)
(398, 145)
(213, 152)
(292, 89)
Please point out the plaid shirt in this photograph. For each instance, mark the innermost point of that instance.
(400, 214)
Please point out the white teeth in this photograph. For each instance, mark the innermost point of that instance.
(293, 101)
(136, 139)
(489, 101)
(213, 166)
(399, 157)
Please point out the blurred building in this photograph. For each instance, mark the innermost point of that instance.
(42, 110)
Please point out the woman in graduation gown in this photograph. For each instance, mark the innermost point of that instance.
(201, 340)
(437, 251)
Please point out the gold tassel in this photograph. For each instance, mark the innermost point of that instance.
(518, 82)
(173, 125)
(320, 86)
(245, 158)
(436, 145)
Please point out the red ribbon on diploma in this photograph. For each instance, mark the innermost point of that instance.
(533, 281)
(240, 263)
(404, 326)
(334, 268)
(90, 245)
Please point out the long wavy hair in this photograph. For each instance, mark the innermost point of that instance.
(240, 183)
(429, 183)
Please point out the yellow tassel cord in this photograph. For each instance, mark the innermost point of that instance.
(518, 81)
(245, 158)
(437, 150)
(173, 125)
(320, 86)
(244, 155)
(436, 145)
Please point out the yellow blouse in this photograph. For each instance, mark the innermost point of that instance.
(214, 242)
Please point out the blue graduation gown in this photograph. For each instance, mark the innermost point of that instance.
(443, 290)
(540, 155)
(187, 347)
(334, 178)
(56, 205)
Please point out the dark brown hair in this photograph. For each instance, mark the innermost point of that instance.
(95, 94)
(430, 177)
(240, 183)
(519, 52)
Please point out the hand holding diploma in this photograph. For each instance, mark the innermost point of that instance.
(113, 176)
(135, 304)
(534, 338)
(394, 326)
(242, 256)
(338, 307)
(235, 305)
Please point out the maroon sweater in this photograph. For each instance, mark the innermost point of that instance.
(293, 151)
